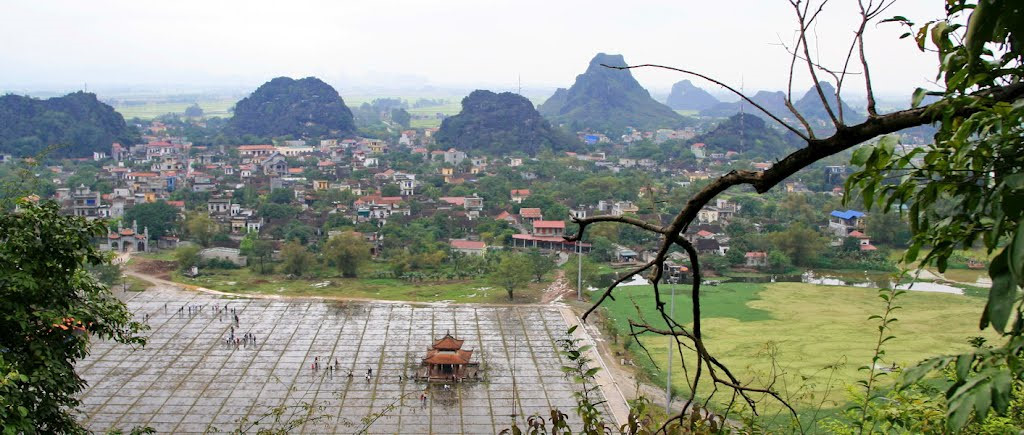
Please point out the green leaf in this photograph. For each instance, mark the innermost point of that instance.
(1014, 181)
(981, 26)
(1003, 293)
(1015, 255)
(23, 411)
(963, 366)
(1001, 388)
(919, 94)
(916, 373)
(860, 155)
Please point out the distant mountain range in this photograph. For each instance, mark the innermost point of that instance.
(501, 124)
(609, 100)
(809, 106)
(686, 96)
(77, 124)
(287, 107)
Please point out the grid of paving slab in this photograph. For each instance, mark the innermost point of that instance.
(189, 379)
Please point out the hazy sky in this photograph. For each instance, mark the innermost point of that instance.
(451, 43)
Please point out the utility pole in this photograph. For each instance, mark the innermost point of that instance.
(671, 340)
(579, 272)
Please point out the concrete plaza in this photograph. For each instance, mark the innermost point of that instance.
(188, 379)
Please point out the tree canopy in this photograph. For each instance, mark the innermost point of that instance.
(287, 107)
(49, 310)
(158, 216)
(502, 124)
(347, 251)
(76, 125)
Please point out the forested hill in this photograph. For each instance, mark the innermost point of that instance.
(686, 96)
(609, 100)
(749, 135)
(77, 124)
(287, 107)
(501, 124)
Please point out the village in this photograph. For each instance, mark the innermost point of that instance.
(308, 192)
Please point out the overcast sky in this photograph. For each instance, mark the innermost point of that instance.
(185, 44)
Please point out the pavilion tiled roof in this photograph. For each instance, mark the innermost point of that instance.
(448, 343)
(457, 357)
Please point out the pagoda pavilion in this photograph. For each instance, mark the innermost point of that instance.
(447, 361)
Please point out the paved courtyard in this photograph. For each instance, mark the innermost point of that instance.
(187, 379)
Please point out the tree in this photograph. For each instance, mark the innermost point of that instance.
(401, 117)
(512, 272)
(262, 250)
(50, 310)
(887, 228)
(778, 262)
(390, 190)
(159, 217)
(201, 227)
(347, 251)
(981, 67)
(187, 256)
(281, 196)
(851, 244)
(540, 264)
(296, 260)
(802, 244)
(194, 111)
(967, 187)
(277, 211)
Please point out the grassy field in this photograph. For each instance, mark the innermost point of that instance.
(243, 281)
(814, 332)
(153, 109)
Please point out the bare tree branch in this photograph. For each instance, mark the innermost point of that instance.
(805, 23)
(844, 138)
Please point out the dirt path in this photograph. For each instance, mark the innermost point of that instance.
(557, 290)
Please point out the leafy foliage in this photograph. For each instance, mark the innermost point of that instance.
(502, 123)
(77, 123)
(347, 251)
(50, 308)
(287, 107)
(296, 260)
(202, 228)
(609, 100)
(967, 187)
(158, 216)
(512, 272)
(540, 264)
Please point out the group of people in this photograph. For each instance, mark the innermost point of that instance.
(245, 340)
(191, 310)
(331, 368)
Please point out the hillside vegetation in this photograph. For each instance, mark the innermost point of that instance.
(77, 124)
(287, 107)
(501, 124)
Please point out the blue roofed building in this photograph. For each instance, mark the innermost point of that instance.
(843, 222)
